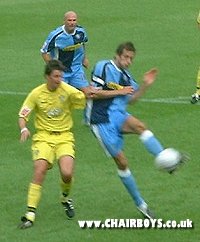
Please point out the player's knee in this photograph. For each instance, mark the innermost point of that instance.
(121, 163)
(121, 166)
(140, 128)
(67, 177)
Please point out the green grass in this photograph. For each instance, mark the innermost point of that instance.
(166, 36)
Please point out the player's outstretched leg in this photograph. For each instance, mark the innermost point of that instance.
(131, 186)
(146, 212)
(151, 143)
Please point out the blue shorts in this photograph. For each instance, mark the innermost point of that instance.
(110, 134)
(76, 79)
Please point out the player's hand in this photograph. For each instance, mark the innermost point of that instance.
(25, 135)
(127, 90)
(86, 62)
(150, 76)
(90, 91)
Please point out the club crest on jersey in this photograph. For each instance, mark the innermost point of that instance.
(55, 112)
(62, 98)
(77, 36)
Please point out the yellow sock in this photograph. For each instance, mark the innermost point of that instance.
(34, 194)
(65, 189)
(198, 82)
(30, 216)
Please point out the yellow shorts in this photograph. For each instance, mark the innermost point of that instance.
(52, 146)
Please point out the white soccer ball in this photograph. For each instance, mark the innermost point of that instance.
(168, 159)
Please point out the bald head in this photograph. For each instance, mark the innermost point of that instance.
(70, 14)
(70, 21)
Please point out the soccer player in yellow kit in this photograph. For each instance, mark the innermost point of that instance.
(196, 95)
(52, 102)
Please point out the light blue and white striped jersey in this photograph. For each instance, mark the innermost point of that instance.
(68, 48)
(107, 76)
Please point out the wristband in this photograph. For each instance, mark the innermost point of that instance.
(24, 129)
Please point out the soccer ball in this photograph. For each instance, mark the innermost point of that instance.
(168, 159)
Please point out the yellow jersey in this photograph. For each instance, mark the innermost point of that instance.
(53, 108)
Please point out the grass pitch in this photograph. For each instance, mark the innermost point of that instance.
(166, 36)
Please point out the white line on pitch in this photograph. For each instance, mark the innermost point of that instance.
(168, 100)
(177, 100)
(13, 93)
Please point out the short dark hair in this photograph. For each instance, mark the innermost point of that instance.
(127, 46)
(53, 65)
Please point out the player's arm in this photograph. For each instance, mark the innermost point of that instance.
(85, 62)
(47, 47)
(77, 98)
(85, 59)
(108, 89)
(25, 133)
(104, 94)
(148, 79)
(24, 113)
(46, 57)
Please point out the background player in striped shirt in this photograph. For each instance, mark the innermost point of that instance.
(67, 44)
